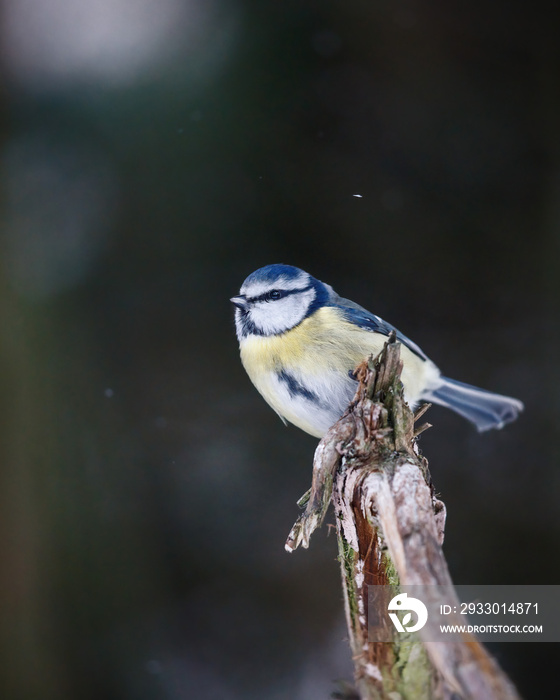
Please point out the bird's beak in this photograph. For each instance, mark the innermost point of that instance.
(240, 301)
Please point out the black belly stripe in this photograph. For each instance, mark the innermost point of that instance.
(295, 388)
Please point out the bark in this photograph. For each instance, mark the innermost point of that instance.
(390, 527)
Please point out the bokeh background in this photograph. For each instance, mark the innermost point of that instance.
(153, 154)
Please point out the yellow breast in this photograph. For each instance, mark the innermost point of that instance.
(324, 341)
(321, 347)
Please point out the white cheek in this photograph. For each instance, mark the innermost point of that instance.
(278, 316)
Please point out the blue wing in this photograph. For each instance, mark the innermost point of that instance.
(364, 319)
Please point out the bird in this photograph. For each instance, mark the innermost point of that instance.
(300, 343)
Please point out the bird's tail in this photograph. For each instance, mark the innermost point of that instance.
(483, 408)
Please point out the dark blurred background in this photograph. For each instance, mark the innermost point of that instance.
(154, 153)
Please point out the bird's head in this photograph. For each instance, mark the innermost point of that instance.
(275, 299)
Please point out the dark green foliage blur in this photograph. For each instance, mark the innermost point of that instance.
(153, 155)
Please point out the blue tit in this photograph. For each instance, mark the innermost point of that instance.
(300, 343)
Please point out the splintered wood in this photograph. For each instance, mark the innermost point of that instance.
(390, 527)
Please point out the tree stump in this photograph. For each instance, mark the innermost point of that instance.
(390, 528)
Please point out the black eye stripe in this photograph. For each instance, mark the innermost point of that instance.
(283, 293)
